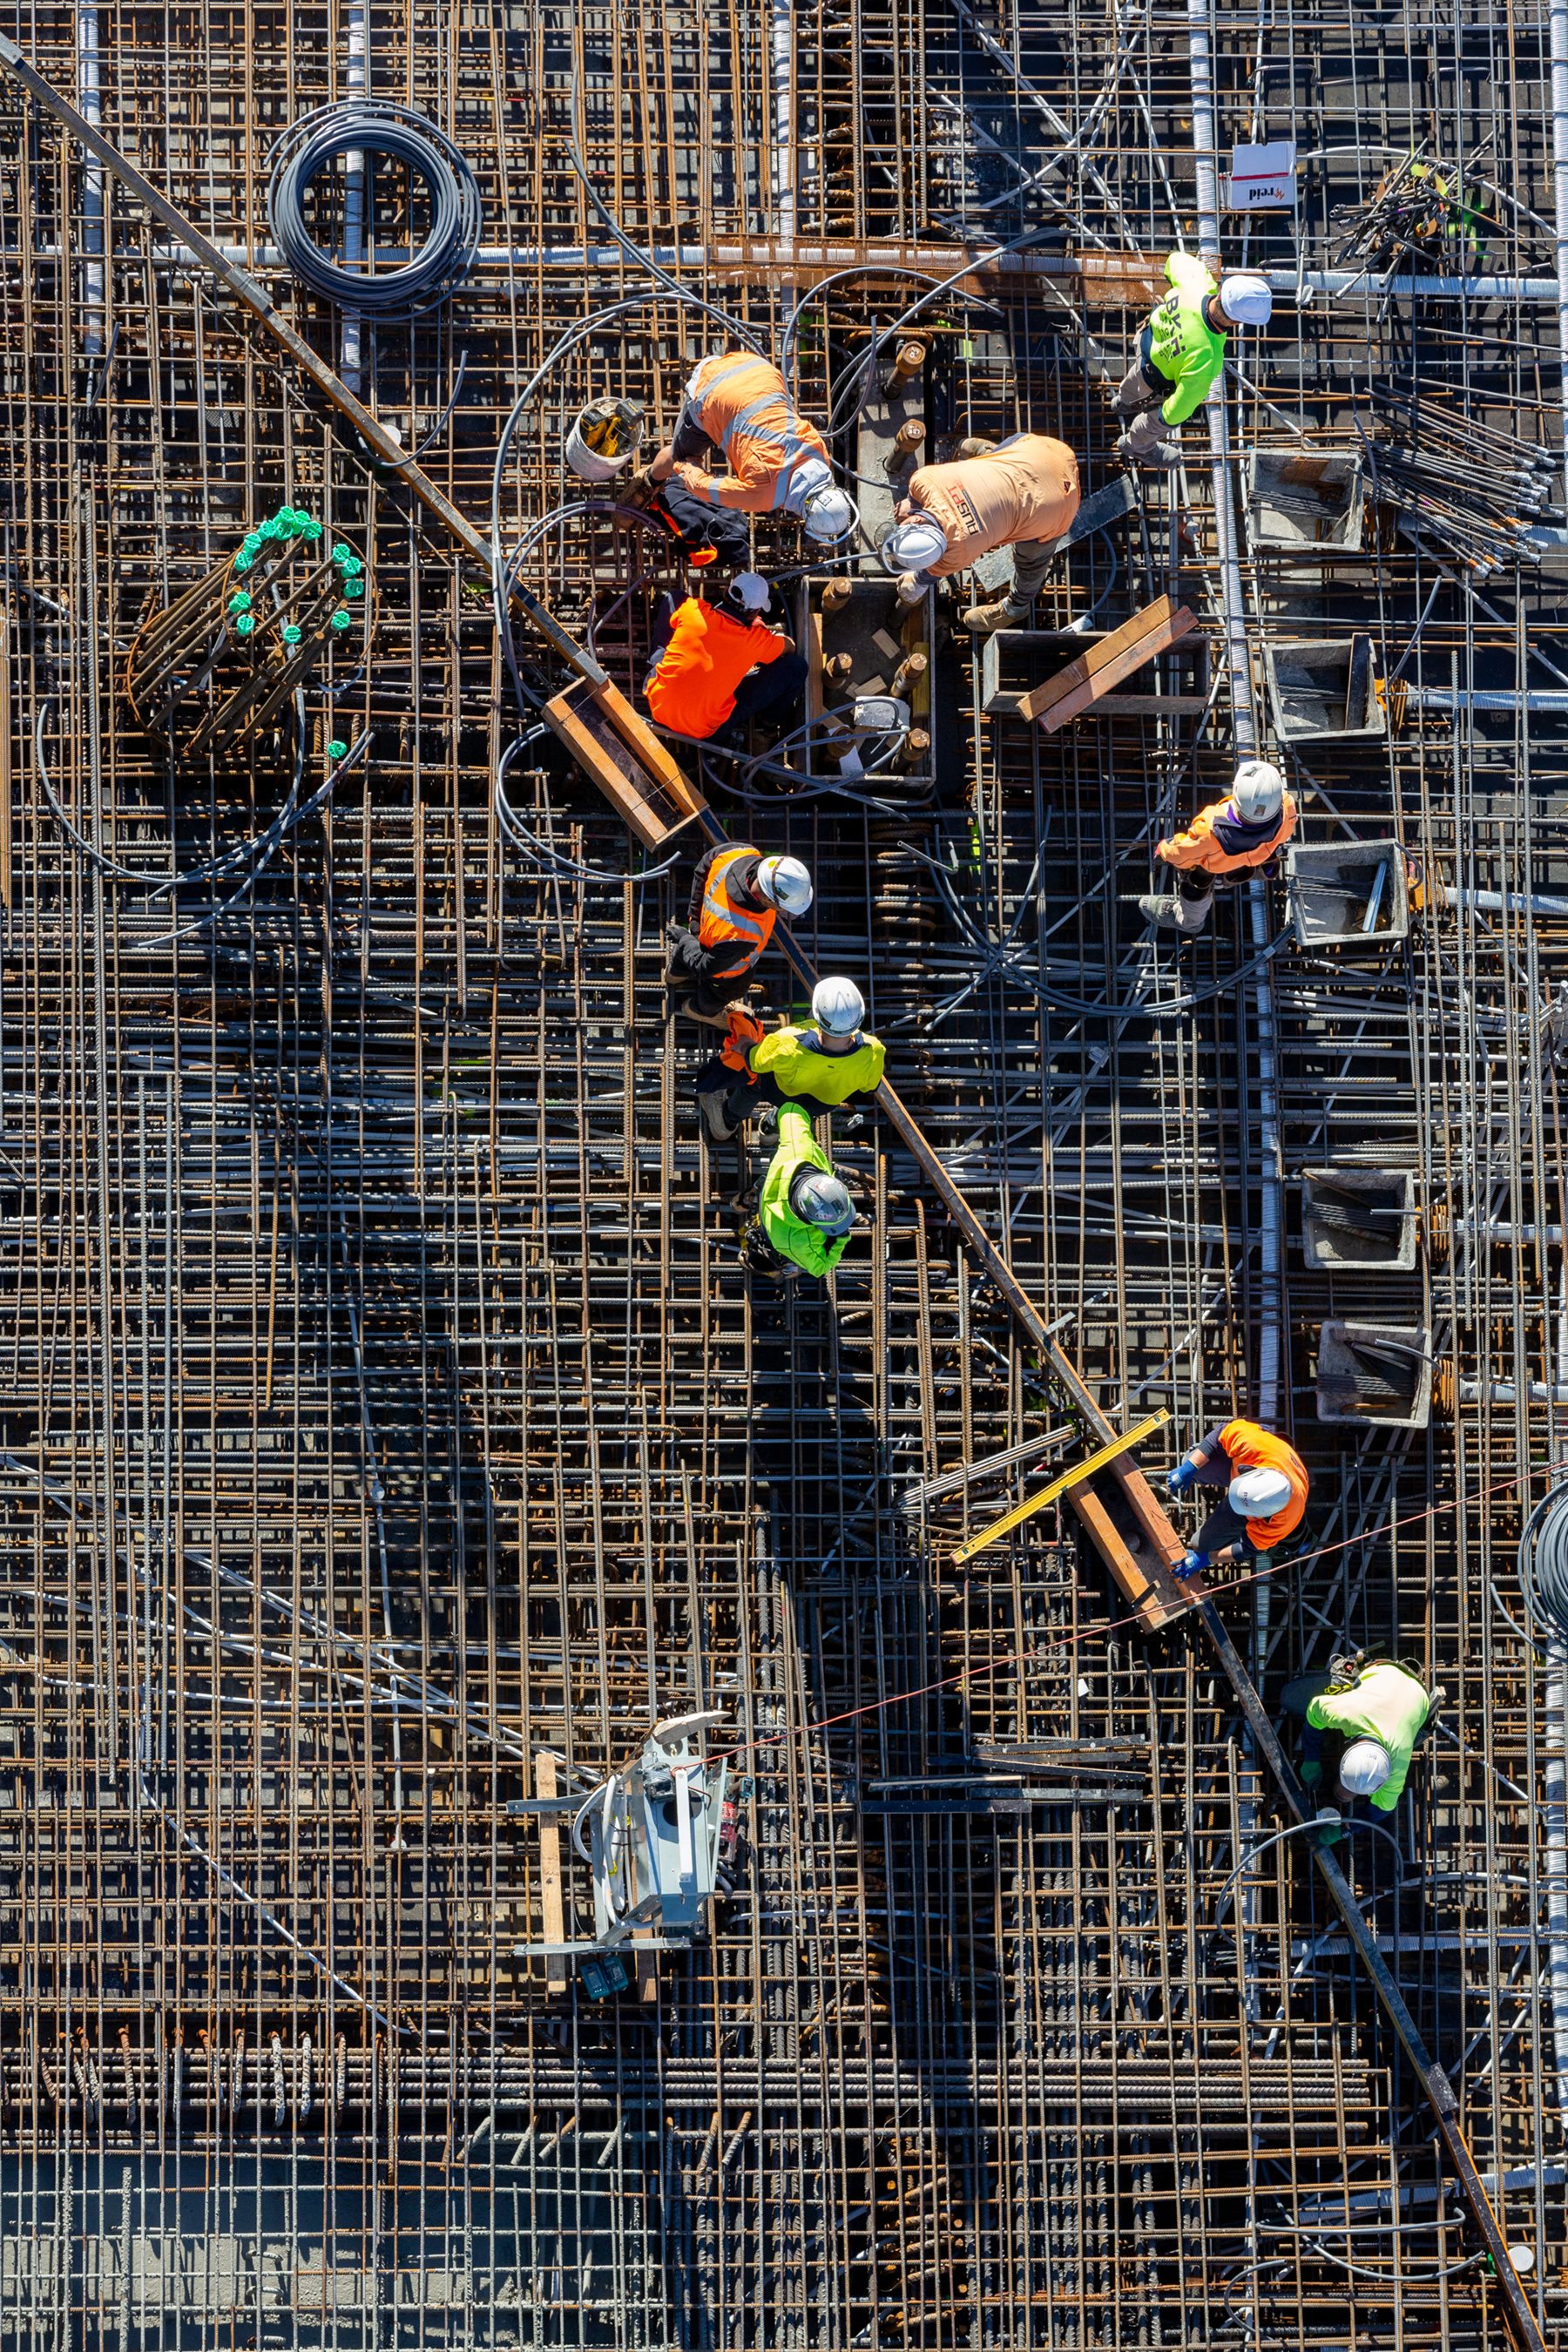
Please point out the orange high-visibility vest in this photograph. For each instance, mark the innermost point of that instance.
(723, 918)
(744, 406)
(1204, 843)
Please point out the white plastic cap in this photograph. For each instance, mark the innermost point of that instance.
(1245, 299)
(822, 1200)
(1364, 1767)
(1258, 1494)
(785, 884)
(749, 590)
(838, 1007)
(915, 545)
(828, 513)
(1257, 791)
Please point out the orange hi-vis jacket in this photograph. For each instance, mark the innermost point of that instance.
(723, 918)
(743, 405)
(692, 688)
(1221, 843)
(1249, 1446)
(1027, 490)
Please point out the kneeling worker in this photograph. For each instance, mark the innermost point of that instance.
(1223, 840)
(804, 1212)
(1022, 494)
(737, 896)
(1378, 1710)
(828, 1060)
(1266, 1493)
(739, 405)
(720, 664)
(1181, 351)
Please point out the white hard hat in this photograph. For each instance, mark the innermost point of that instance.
(828, 513)
(1258, 1494)
(820, 1198)
(915, 545)
(1245, 299)
(838, 1007)
(1257, 791)
(785, 884)
(749, 590)
(1364, 1767)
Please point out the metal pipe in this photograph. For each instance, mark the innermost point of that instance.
(1557, 27)
(92, 237)
(356, 81)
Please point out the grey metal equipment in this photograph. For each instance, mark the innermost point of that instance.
(650, 1837)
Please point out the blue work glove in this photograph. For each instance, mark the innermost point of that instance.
(1183, 1475)
(1311, 1771)
(1190, 1561)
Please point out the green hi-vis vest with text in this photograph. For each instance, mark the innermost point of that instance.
(1182, 346)
(1386, 1704)
(805, 1245)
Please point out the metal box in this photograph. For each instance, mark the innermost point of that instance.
(1324, 689)
(1374, 1374)
(1347, 893)
(1305, 502)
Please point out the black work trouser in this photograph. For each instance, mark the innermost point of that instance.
(693, 972)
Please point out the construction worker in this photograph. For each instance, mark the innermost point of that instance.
(737, 894)
(1228, 838)
(717, 666)
(1021, 494)
(804, 1212)
(1181, 351)
(828, 1060)
(1378, 1710)
(738, 406)
(1265, 1483)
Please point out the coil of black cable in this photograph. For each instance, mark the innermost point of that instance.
(369, 127)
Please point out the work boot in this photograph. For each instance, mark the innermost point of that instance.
(1154, 456)
(983, 620)
(1165, 910)
(975, 447)
(718, 1128)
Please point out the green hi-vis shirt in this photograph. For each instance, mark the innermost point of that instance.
(797, 1065)
(1182, 346)
(1386, 1704)
(804, 1244)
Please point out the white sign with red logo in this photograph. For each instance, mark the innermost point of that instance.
(1263, 179)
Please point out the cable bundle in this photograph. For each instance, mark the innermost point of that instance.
(362, 127)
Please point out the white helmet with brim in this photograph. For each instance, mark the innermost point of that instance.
(1258, 1494)
(838, 1007)
(785, 884)
(915, 545)
(1245, 299)
(821, 1198)
(1364, 1767)
(1257, 791)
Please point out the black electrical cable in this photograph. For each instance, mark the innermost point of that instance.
(1543, 1564)
(368, 127)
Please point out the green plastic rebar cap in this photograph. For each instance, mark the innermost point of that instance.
(251, 543)
(293, 635)
(309, 528)
(342, 618)
(341, 554)
(354, 587)
(240, 601)
(271, 528)
(243, 626)
(242, 563)
(336, 747)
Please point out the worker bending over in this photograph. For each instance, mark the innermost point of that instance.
(738, 406)
(1378, 1710)
(717, 666)
(804, 1214)
(737, 896)
(1226, 839)
(1021, 494)
(828, 1060)
(1181, 351)
(1266, 1493)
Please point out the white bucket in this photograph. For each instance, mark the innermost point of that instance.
(588, 463)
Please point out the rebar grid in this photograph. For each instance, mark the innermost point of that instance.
(382, 1401)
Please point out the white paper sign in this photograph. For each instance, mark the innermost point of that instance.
(1263, 179)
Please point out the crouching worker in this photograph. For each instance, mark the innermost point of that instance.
(828, 1060)
(805, 1214)
(1376, 1711)
(737, 896)
(1181, 353)
(1265, 1483)
(1225, 841)
(1022, 494)
(717, 666)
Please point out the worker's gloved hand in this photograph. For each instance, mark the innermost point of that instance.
(635, 489)
(744, 1032)
(1183, 1475)
(1311, 1771)
(1190, 1561)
